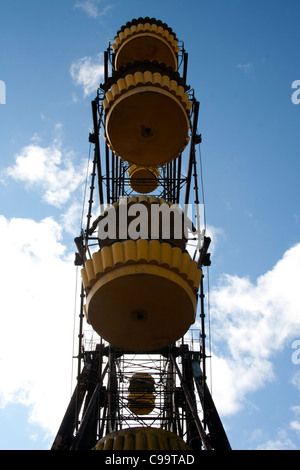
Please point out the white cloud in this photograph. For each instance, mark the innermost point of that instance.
(216, 234)
(295, 423)
(88, 72)
(89, 6)
(250, 324)
(71, 219)
(50, 169)
(36, 336)
(92, 7)
(246, 68)
(295, 381)
(282, 442)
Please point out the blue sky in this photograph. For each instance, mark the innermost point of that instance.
(243, 59)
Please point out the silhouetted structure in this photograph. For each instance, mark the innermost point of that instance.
(143, 385)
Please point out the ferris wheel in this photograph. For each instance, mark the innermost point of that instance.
(141, 382)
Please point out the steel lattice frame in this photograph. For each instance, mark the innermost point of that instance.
(183, 403)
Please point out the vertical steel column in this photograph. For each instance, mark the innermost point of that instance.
(112, 424)
(79, 357)
(192, 151)
(65, 435)
(88, 411)
(179, 158)
(191, 403)
(106, 56)
(97, 150)
(218, 438)
(203, 336)
(169, 410)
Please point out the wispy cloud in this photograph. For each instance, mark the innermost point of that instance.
(251, 323)
(246, 68)
(48, 169)
(42, 306)
(93, 8)
(88, 72)
(282, 441)
(40, 313)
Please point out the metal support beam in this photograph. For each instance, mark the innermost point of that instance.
(65, 434)
(79, 357)
(97, 150)
(192, 151)
(192, 406)
(185, 63)
(89, 409)
(112, 424)
(203, 337)
(217, 435)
